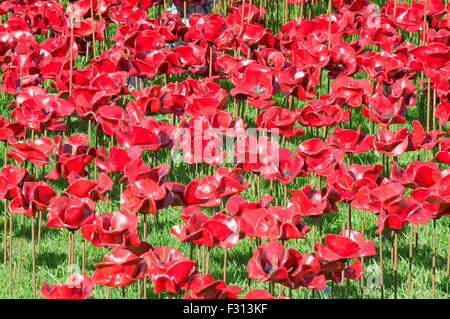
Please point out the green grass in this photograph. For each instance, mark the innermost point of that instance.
(51, 260)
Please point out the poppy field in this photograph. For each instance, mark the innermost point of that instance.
(221, 149)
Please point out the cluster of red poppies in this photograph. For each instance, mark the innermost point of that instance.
(61, 72)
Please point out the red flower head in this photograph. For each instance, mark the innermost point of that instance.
(354, 92)
(202, 287)
(86, 188)
(119, 268)
(72, 156)
(209, 190)
(275, 263)
(322, 112)
(255, 82)
(236, 204)
(350, 141)
(280, 120)
(34, 197)
(312, 202)
(394, 144)
(36, 151)
(346, 245)
(168, 269)
(11, 181)
(400, 211)
(78, 287)
(319, 157)
(114, 230)
(346, 181)
(70, 213)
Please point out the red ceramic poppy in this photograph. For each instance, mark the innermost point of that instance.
(394, 144)
(347, 180)
(312, 202)
(36, 151)
(425, 140)
(119, 268)
(114, 230)
(348, 244)
(400, 211)
(12, 179)
(319, 157)
(34, 197)
(281, 119)
(351, 141)
(236, 205)
(203, 287)
(168, 269)
(73, 155)
(70, 213)
(323, 112)
(376, 198)
(355, 92)
(272, 262)
(86, 188)
(443, 155)
(78, 286)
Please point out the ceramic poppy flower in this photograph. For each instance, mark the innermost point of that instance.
(323, 112)
(256, 155)
(86, 188)
(142, 196)
(425, 140)
(348, 244)
(44, 111)
(312, 202)
(168, 269)
(203, 287)
(36, 151)
(401, 211)
(78, 286)
(435, 198)
(346, 181)
(10, 129)
(272, 262)
(70, 213)
(282, 119)
(283, 166)
(12, 179)
(384, 112)
(193, 230)
(255, 82)
(394, 144)
(34, 197)
(236, 205)
(319, 157)
(443, 154)
(350, 141)
(273, 222)
(114, 230)
(119, 268)
(355, 92)
(117, 158)
(209, 190)
(73, 155)
(343, 61)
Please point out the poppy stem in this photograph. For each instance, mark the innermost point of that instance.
(208, 255)
(20, 247)
(93, 29)
(433, 280)
(83, 260)
(392, 249)
(362, 258)
(329, 23)
(381, 265)
(349, 216)
(410, 259)
(417, 239)
(5, 245)
(225, 266)
(69, 255)
(10, 253)
(33, 252)
(39, 232)
(395, 264)
(203, 259)
(145, 227)
(313, 220)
